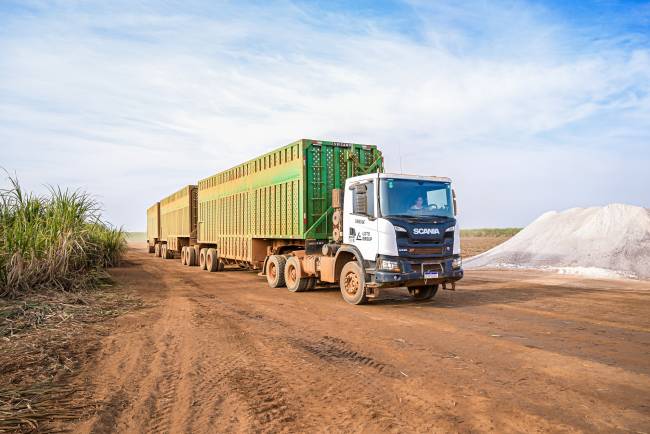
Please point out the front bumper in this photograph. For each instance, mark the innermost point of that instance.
(413, 274)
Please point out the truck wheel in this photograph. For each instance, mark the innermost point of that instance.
(156, 250)
(292, 276)
(183, 256)
(203, 253)
(353, 284)
(163, 251)
(211, 261)
(275, 271)
(311, 284)
(190, 256)
(152, 249)
(423, 292)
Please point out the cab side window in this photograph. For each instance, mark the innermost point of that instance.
(364, 199)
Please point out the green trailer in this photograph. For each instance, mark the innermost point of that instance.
(276, 203)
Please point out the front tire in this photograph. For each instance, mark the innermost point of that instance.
(275, 271)
(293, 276)
(423, 292)
(353, 284)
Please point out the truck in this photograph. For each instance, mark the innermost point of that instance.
(318, 212)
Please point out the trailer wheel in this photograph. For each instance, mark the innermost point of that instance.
(190, 256)
(275, 271)
(211, 260)
(152, 249)
(423, 292)
(163, 251)
(183, 258)
(156, 250)
(353, 284)
(203, 253)
(292, 276)
(311, 284)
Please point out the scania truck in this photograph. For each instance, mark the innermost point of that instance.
(319, 212)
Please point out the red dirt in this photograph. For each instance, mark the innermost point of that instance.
(508, 351)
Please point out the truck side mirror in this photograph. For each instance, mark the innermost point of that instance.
(453, 195)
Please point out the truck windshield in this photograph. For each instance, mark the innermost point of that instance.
(415, 198)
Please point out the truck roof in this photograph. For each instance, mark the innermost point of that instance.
(404, 176)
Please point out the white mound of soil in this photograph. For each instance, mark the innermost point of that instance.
(609, 241)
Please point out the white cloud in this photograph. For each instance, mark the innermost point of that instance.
(133, 102)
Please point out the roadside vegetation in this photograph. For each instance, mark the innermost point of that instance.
(56, 241)
(490, 232)
(55, 296)
(476, 241)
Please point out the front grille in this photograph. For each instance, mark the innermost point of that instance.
(425, 250)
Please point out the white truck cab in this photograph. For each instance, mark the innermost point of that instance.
(403, 232)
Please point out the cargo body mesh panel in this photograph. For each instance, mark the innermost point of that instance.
(153, 223)
(278, 195)
(176, 217)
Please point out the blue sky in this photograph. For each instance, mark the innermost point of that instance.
(528, 106)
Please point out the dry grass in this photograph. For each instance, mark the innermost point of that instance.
(44, 338)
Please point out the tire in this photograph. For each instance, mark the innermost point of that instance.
(212, 260)
(152, 249)
(203, 253)
(156, 250)
(292, 278)
(353, 284)
(163, 251)
(311, 284)
(275, 271)
(183, 258)
(190, 256)
(169, 254)
(423, 292)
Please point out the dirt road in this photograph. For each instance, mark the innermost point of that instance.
(508, 351)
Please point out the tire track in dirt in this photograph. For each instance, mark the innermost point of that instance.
(238, 368)
(224, 353)
(352, 374)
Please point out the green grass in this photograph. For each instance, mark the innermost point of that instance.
(489, 232)
(54, 241)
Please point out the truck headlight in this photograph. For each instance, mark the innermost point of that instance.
(399, 229)
(457, 263)
(450, 229)
(389, 265)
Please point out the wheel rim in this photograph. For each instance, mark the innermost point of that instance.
(291, 275)
(273, 271)
(351, 284)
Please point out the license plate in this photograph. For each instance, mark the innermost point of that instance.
(430, 274)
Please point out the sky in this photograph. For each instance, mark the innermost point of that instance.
(527, 106)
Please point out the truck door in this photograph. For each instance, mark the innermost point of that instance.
(360, 223)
